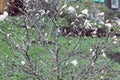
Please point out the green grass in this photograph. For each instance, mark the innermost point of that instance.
(42, 56)
(40, 53)
(37, 51)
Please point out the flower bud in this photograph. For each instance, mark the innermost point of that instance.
(23, 63)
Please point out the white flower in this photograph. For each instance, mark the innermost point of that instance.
(77, 7)
(102, 50)
(42, 11)
(46, 34)
(71, 10)
(114, 37)
(61, 13)
(107, 21)
(80, 15)
(94, 36)
(87, 24)
(85, 11)
(94, 32)
(23, 63)
(102, 77)
(26, 1)
(104, 55)
(3, 16)
(108, 25)
(90, 50)
(74, 62)
(64, 6)
(114, 42)
(72, 23)
(8, 35)
(58, 30)
(101, 14)
(118, 23)
(92, 64)
(93, 53)
(102, 71)
(46, 1)
(48, 11)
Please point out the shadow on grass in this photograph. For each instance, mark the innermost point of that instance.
(114, 56)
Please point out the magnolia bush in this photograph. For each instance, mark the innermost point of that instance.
(37, 51)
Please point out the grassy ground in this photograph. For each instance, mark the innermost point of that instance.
(37, 50)
(42, 55)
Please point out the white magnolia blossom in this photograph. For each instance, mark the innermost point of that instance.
(46, 34)
(8, 35)
(94, 32)
(77, 7)
(80, 15)
(87, 24)
(114, 42)
(101, 14)
(61, 13)
(58, 30)
(72, 23)
(118, 22)
(102, 77)
(23, 63)
(3, 16)
(92, 64)
(63, 7)
(71, 10)
(46, 1)
(109, 25)
(90, 50)
(102, 71)
(74, 62)
(85, 11)
(114, 37)
(42, 11)
(104, 55)
(93, 54)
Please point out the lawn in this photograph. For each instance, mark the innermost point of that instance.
(26, 54)
(37, 52)
(11, 60)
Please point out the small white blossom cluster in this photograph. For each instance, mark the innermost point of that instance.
(3, 16)
(85, 12)
(23, 63)
(74, 62)
(63, 7)
(114, 39)
(94, 33)
(103, 53)
(101, 14)
(71, 10)
(87, 24)
(109, 26)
